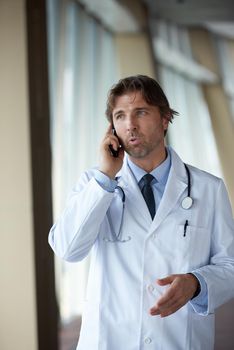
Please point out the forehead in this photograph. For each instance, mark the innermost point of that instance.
(130, 99)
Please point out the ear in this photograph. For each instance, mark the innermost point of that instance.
(165, 121)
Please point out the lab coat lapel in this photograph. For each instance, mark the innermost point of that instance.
(176, 185)
(133, 194)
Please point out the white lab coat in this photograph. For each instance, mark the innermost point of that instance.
(121, 287)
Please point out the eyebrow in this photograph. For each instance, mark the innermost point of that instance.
(118, 112)
(140, 108)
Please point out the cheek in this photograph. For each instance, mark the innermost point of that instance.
(120, 132)
(156, 128)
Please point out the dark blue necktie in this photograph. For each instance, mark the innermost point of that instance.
(147, 193)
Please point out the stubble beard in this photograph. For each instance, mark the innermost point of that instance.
(145, 148)
(142, 151)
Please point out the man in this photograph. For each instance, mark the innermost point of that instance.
(162, 245)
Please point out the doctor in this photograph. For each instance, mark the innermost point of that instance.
(162, 246)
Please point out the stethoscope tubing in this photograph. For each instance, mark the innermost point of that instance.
(189, 180)
(186, 203)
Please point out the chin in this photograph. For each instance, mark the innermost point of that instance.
(137, 153)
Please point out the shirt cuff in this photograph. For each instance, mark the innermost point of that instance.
(105, 181)
(200, 302)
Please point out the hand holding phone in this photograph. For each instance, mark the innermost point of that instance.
(111, 159)
(115, 153)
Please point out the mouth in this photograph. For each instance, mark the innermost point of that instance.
(135, 141)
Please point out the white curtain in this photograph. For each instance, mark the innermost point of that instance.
(191, 133)
(225, 54)
(82, 69)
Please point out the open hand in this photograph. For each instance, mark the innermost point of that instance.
(182, 288)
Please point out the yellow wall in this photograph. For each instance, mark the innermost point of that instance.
(134, 55)
(17, 292)
(218, 105)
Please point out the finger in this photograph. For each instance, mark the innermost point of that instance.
(154, 311)
(109, 129)
(178, 289)
(114, 142)
(111, 139)
(167, 299)
(163, 305)
(166, 302)
(168, 309)
(171, 306)
(166, 280)
(168, 296)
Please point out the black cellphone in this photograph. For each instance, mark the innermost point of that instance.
(114, 153)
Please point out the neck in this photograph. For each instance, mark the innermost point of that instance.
(150, 162)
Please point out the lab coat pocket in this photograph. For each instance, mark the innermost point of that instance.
(202, 327)
(195, 245)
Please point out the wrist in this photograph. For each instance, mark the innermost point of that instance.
(198, 287)
(110, 174)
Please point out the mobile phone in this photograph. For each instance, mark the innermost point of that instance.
(114, 153)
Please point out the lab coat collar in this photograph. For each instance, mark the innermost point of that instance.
(160, 173)
(176, 185)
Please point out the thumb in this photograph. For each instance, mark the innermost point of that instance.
(166, 280)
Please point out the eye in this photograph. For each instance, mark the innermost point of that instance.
(119, 116)
(141, 112)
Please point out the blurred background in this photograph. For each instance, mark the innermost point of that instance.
(58, 59)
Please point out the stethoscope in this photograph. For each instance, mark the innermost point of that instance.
(186, 204)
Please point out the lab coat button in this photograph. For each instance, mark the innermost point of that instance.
(153, 235)
(148, 340)
(150, 288)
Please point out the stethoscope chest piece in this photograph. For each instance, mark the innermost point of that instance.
(187, 202)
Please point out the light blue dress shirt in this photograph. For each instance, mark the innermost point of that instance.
(160, 174)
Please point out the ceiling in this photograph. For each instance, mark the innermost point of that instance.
(215, 15)
(192, 12)
(129, 15)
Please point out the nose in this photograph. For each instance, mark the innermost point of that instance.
(131, 123)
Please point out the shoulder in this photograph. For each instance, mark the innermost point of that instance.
(88, 174)
(196, 174)
(204, 176)
(84, 178)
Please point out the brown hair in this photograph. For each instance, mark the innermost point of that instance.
(150, 90)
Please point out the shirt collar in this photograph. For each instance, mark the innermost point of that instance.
(160, 173)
